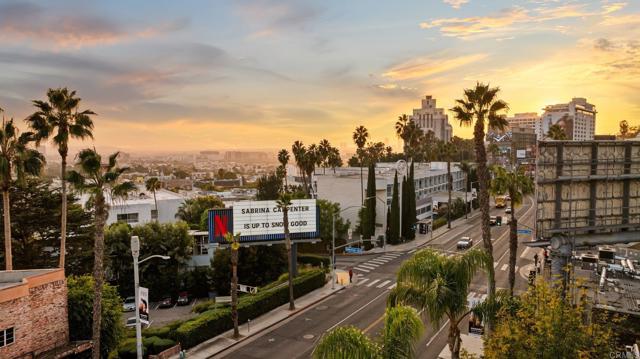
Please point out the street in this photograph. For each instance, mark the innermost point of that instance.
(363, 303)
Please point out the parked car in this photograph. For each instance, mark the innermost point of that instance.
(492, 220)
(507, 210)
(465, 243)
(183, 298)
(129, 304)
(166, 302)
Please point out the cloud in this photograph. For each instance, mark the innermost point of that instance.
(270, 17)
(456, 4)
(27, 22)
(603, 44)
(427, 66)
(466, 27)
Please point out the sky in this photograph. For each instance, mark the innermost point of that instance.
(168, 76)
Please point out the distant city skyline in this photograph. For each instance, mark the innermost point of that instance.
(258, 75)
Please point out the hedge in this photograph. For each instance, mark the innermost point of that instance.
(150, 346)
(216, 321)
(314, 260)
(439, 222)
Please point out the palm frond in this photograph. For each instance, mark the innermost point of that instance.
(402, 328)
(346, 342)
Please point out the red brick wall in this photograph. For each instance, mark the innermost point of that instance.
(40, 320)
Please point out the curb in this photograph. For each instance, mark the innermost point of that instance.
(298, 311)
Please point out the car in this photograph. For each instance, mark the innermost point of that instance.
(129, 304)
(166, 302)
(131, 323)
(492, 220)
(465, 243)
(183, 298)
(507, 210)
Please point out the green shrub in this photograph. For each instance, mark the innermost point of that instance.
(156, 345)
(314, 260)
(439, 222)
(216, 321)
(127, 349)
(150, 346)
(203, 306)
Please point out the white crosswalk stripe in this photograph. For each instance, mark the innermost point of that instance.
(383, 284)
(517, 268)
(470, 295)
(362, 269)
(362, 281)
(392, 286)
(525, 253)
(504, 267)
(411, 251)
(386, 258)
(377, 262)
(368, 266)
(373, 282)
(495, 264)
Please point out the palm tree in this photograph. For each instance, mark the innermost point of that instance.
(438, 286)
(466, 167)
(360, 136)
(284, 203)
(324, 148)
(61, 119)
(556, 132)
(427, 143)
(447, 151)
(518, 185)
(334, 159)
(283, 158)
(16, 160)
(299, 153)
(153, 184)
(98, 179)
(481, 104)
(234, 246)
(402, 327)
(407, 129)
(309, 163)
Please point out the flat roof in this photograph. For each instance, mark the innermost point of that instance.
(17, 277)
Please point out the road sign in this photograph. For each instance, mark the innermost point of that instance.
(247, 289)
(524, 231)
(353, 250)
(350, 233)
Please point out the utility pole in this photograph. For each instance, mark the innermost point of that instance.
(135, 252)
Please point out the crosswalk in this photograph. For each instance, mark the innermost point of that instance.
(374, 263)
(379, 283)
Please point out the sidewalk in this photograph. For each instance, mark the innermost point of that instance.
(225, 340)
(424, 239)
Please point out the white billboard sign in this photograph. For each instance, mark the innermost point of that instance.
(255, 218)
(144, 305)
(521, 153)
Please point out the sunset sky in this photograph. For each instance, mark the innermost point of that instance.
(194, 75)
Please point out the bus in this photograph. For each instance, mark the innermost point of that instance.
(501, 201)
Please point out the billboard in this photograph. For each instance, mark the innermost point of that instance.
(263, 221)
(143, 305)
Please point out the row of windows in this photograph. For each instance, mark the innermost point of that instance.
(7, 336)
(134, 217)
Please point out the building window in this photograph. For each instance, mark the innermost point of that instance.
(127, 217)
(6, 337)
(154, 214)
(202, 246)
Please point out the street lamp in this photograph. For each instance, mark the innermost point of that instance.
(333, 245)
(466, 204)
(135, 252)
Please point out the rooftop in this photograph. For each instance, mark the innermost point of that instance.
(14, 278)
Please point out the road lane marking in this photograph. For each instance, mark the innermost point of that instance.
(367, 266)
(504, 267)
(368, 328)
(362, 281)
(438, 333)
(495, 264)
(362, 269)
(411, 251)
(393, 286)
(383, 284)
(356, 312)
(525, 253)
(373, 282)
(376, 261)
(470, 295)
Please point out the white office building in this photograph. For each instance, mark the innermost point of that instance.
(526, 120)
(344, 188)
(577, 118)
(430, 118)
(140, 208)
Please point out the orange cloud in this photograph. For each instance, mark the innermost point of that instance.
(427, 66)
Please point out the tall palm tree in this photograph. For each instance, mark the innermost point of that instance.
(410, 133)
(334, 159)
(466, 167)
(16, 161)
(517, 184)
(153, 184)
(299, 154)
(447, 152)
(438, 286)
(324, 148)
(402, 327)
(310, 161)
(360, 136)
(61, 119)
(556, 132)
(97, 179)
(283, 158)
(234, 246)
(481, 104)
(284, 203)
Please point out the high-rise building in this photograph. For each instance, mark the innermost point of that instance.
(525, 120)
(577, 118)
(431, 118)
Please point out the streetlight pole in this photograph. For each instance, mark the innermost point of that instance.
(333, 245)
(135, 252)
(400, 166)
(384, 238)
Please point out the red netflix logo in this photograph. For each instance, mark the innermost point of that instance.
(220, 225)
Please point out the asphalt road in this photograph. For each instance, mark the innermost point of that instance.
(363, 304)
